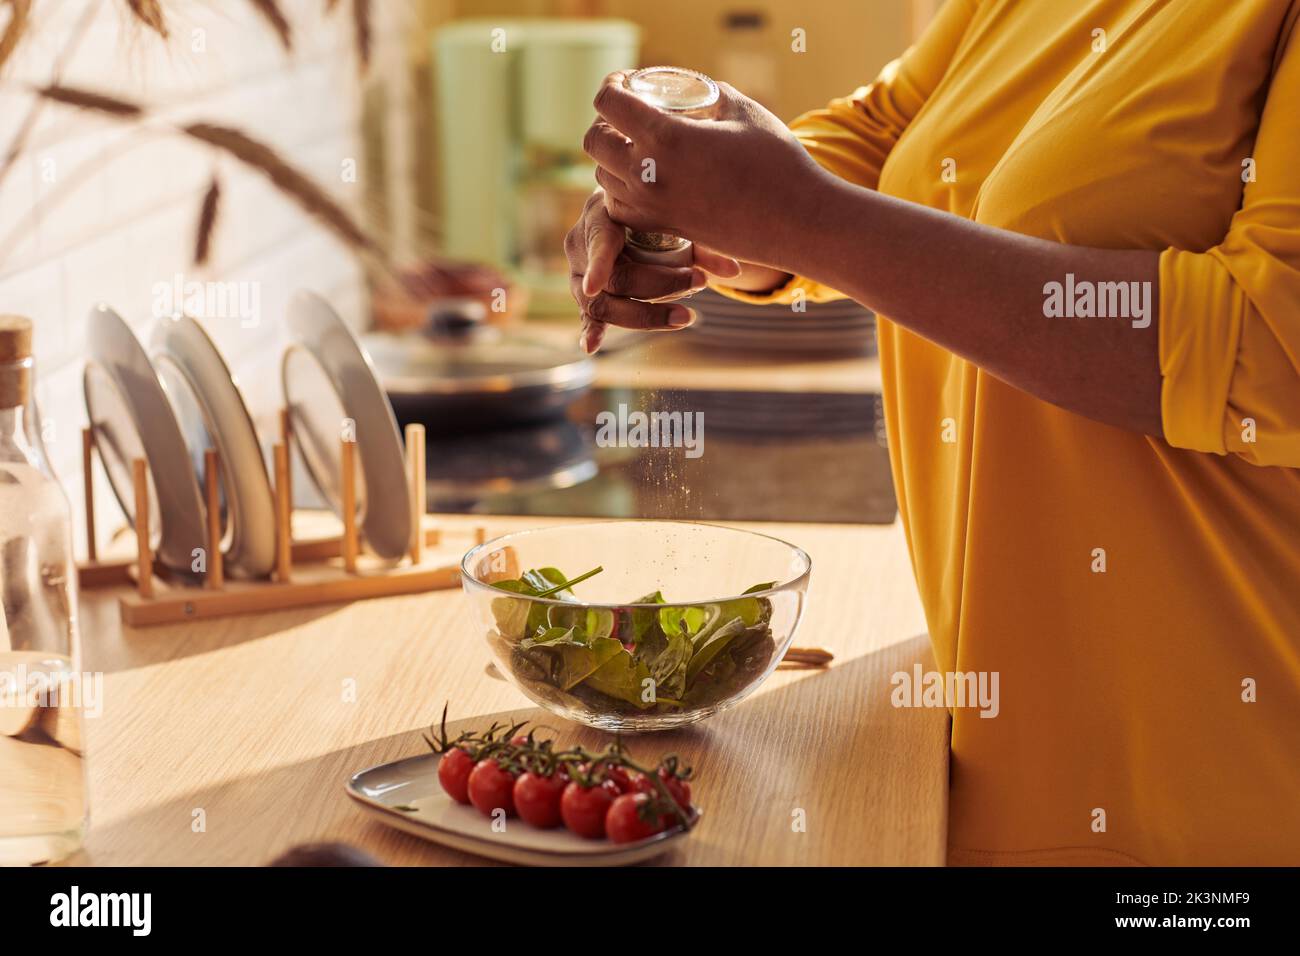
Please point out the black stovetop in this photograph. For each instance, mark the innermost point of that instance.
(765, 456)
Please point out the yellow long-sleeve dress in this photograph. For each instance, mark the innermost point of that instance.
(1138, 598)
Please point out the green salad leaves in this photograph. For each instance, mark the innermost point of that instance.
(632, 659)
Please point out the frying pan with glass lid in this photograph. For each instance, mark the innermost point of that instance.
(460, 374)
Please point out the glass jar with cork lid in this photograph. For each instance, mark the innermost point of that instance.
(42, 778)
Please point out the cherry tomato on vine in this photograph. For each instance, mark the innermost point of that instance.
(537, 799)
(679, 789)
(625, 823)
(453, 773)
(491, 788)
(620, 778)
(584, 809)
(609, 781)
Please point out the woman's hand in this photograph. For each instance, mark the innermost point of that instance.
(733, 182)
(611, 288)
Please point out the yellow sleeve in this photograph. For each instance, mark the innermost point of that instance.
(1230, 316)
(852, 136)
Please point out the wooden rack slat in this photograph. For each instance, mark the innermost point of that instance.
(348, 457)
(88, 489)
(214, 578)
(144, 556)
(283, 516)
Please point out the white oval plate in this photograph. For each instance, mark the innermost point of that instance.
(386, 513)
(181, 343)
(117, 353)
(436, 817)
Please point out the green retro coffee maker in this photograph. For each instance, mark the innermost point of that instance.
(513, 103)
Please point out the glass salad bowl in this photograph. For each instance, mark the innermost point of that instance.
(636, 625)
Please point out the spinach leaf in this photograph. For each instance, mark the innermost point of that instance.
(546, 579)
(715, 620)
(765, 604)
(669, 669)
(746, 609)
(676, 620)
(750, 610)
(643, 620)
(551, 582)
(600, 622)
(532, 663)
(712, 645)
(514, 586)
(575, 654)
(511, 614)
(622, 678)
(557, 616)
(596, 621)
(515, 617)
(552, 636)
(579, 662)
(744, 659)
(650, 645)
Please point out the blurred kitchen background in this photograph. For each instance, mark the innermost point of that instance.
(450, 133)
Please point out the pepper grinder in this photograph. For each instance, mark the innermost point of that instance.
(684, 92)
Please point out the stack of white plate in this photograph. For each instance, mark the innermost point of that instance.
(842, 328)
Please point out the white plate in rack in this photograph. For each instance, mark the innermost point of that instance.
(131, 417)
(327, 377)
(212, 412)
(406, 794)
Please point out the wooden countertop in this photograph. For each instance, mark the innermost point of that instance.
(245, 725)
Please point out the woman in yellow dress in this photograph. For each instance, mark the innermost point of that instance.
(1082, 222)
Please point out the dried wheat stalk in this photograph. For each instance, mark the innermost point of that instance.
(207, 222)
(270, 10)
(286, 178)
(14, 29)
(90, 100)
(361, 27)
(149, 12)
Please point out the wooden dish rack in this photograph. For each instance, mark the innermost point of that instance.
(308, 571)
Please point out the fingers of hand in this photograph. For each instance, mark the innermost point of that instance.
(724, 267)
(623, 109)
(649, 283)
(634, 314)
(729, 100)
(615, 188)
(591, 335)
(604, 241)
(632, 216)
(609, 148)
(737, 108)
(630, 313)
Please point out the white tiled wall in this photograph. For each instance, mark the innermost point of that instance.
(97, 210)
